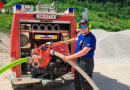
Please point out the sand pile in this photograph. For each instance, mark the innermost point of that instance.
(112, 44)
(4, 49)
(4, 43)
(109, 44)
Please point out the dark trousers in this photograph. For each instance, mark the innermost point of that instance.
(87, 64)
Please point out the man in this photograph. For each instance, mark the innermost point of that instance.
(85, 47)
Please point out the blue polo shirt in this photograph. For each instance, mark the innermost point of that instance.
(90, 42)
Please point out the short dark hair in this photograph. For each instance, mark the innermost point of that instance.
(83, 21)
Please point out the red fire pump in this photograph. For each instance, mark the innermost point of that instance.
(43, 53)
(43, 65)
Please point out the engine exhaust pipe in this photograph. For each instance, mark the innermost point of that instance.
(35, 27)
(52, 52)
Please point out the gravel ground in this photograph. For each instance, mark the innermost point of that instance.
(112, 62)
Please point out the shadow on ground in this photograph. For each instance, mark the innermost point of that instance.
(106, 83)
(103, 82)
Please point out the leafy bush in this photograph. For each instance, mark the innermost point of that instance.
(101, 14)
(101, 25)
(5, 23)
(116, 28)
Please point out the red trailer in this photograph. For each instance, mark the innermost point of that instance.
(30, 30)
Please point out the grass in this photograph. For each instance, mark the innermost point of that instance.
(98, 20)
(5, 23)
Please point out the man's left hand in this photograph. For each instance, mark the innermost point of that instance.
(66, 58)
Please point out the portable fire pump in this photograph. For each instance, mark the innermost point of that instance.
(44, 64)
(32, 36)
